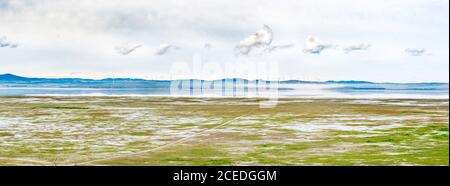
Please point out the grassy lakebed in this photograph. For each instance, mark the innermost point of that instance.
(222, 131)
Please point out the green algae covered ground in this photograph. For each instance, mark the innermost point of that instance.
(222, 131)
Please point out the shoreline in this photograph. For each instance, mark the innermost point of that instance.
(228, 97)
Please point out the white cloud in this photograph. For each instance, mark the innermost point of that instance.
(359, 47)
(5, 43)
(415, 51)
(278, 47)
(263, 38)
(207, 46)
(165, 48)
(127, 48)
(314, 45)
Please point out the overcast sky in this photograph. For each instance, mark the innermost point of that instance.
(374, 40)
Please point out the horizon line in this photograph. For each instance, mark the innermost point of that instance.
(318, 81)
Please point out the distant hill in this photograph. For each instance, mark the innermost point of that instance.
(350, 82)
(11, 80)
(12, 77)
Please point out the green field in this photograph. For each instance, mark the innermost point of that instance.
(222, 131)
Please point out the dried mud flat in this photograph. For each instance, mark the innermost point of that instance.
(222, 131)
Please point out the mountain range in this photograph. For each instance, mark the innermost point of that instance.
(11, 80)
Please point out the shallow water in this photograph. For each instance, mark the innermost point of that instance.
(421, 91)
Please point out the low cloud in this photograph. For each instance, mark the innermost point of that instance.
(415, 51)
(127, 48)
(314, 45)
(208, 45)
(165, 48)
(278, 47)
(263, 38)
(359, 47)
(5, 43)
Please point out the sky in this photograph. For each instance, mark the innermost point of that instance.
(319, 40)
